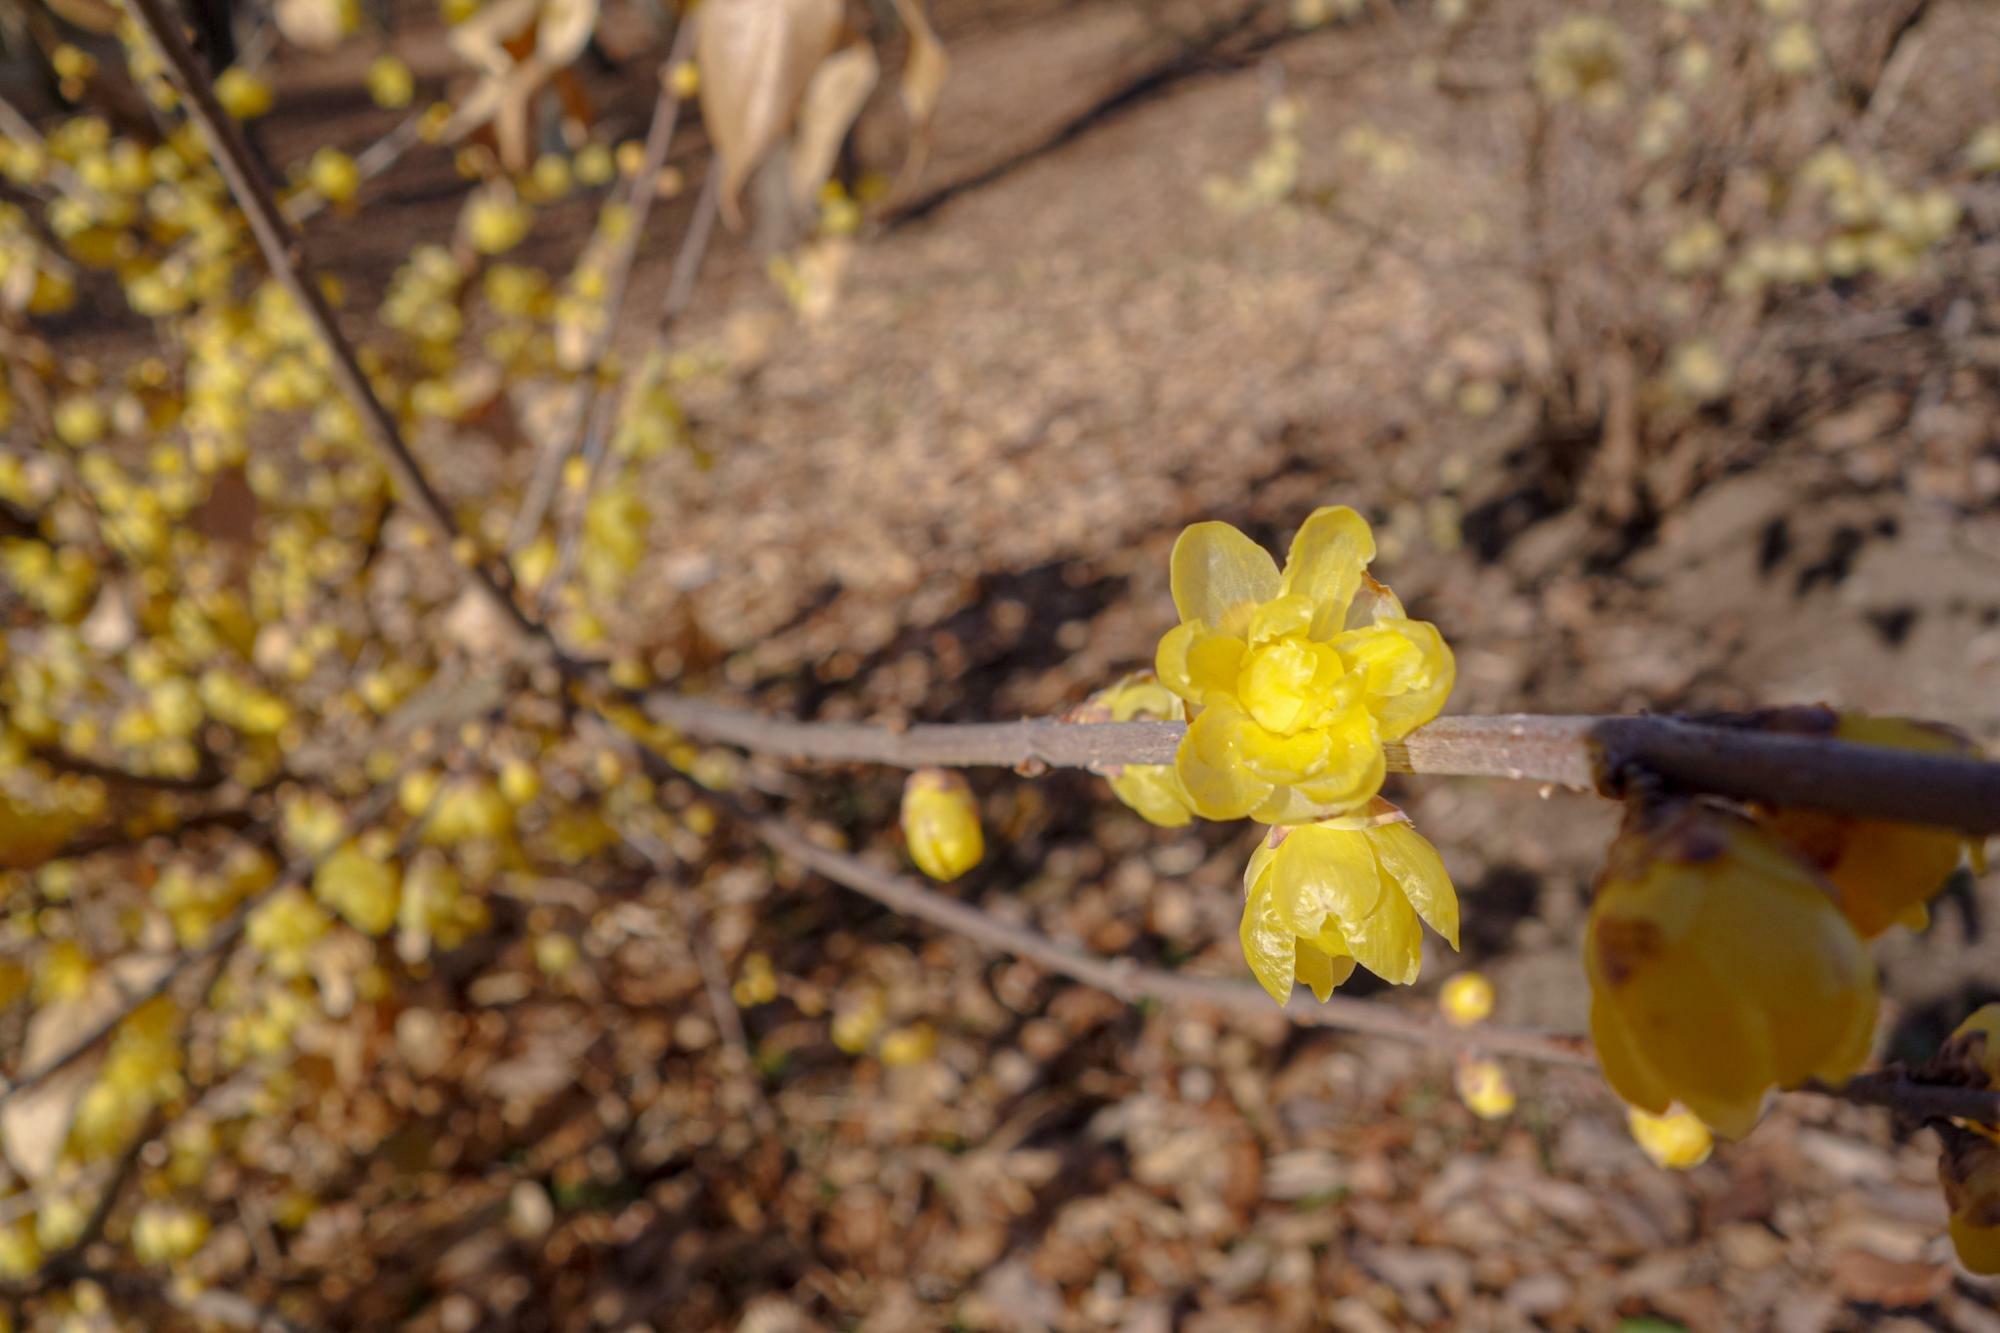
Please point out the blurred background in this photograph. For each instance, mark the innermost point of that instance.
(1660, 340)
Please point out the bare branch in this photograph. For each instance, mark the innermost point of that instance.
(639, 202)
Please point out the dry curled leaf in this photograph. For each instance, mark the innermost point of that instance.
(35, 1122)
(838, 91)
(756, 57)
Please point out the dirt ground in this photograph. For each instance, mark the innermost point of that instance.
(952, 499)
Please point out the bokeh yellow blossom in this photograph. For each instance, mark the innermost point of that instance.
(1466, 999)
(941, 823)
(1720, 968)
(1885, 873)
(1483, 1086)
(1295, 679)
(1677, 1140)
(1321, 898)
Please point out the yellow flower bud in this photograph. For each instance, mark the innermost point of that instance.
(243, 95)
(1885, 873)
(496, 220)
(683, 79)
(334, 175)
(1294, 680)
(941, 824)
(1969, 1170)
(1677, 1140)
(1466, 999)
(1482, 1085)
(1720, 968)
(1321, 898)
(390, 83)
(365, 889)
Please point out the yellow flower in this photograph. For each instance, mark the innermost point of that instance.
(242, 94)
(1467, 999)
(1320, 898)
(941, 823)
(1969, 1170)
(390, 83)
(1677, 1140)
(1719, 968)
(1483, 1087)
(1154, 790)
(1885, 873)
(334, 174)
(1292, 691)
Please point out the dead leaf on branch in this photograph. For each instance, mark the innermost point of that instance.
(756, 59)
(834, 98)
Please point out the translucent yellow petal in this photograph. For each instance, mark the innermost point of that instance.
(1268, 946)
(1279, 618)
(1219, 575)
(1389, 941)
(1211, 765)
(1155, 791)
(1408, 668)
(1414, 866)
(1624, 1068)
(1329, 554)
(1321, 874)
(1198, 664)
(1320, 970)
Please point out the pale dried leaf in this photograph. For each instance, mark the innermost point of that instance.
(563, 30)
(924, 72)
(756, 57)
(838, 91)
(312, 25)
(35, 1121)
(481, 40)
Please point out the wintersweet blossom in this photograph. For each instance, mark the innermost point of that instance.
(1885, 873)
(1322, 898)
(941, 823)
(1294, 680)
(1677, 1140)
(1720, 968)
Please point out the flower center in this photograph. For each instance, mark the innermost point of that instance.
(1288, 685)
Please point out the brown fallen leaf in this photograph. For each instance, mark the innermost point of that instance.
(756, 58)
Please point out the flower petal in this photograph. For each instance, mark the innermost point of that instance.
(1321, 874)
(1198, 664)
(1268, 947)
(1155, 791)
(1414, 866)
(1332, 548)
(1219, 575)
(1321, 970)
(1389, 941)
(1408, 669)
(1211, 766)
(1624, 1068)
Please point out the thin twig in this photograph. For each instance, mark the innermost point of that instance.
(1135, 984)
(369, 163)
(639, 199)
